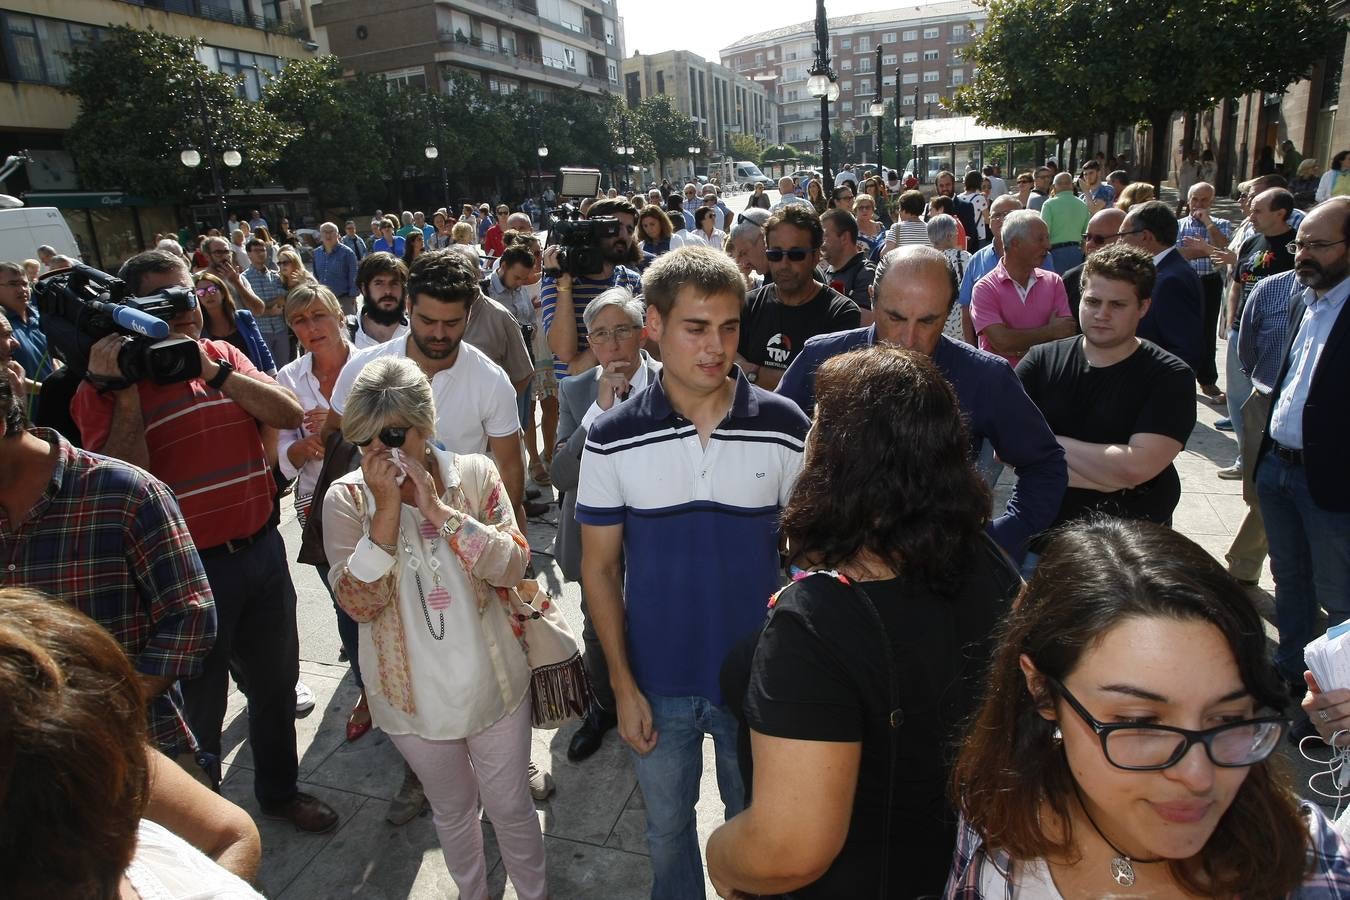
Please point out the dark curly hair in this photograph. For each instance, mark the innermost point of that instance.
(444, 275)
(798, 215)
(887, 469)
(1093, 576)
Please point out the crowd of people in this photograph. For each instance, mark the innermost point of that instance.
(772, 437)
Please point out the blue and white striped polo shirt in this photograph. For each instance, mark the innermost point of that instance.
(700, 526)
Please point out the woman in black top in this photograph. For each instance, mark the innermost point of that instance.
(842, 803)
(759, 199)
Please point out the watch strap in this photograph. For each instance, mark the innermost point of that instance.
(225, 369)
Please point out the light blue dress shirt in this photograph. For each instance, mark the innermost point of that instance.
(1286, 423)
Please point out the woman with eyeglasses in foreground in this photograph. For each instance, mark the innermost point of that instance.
(1124, 740)
(419, 540)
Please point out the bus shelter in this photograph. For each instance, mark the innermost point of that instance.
(962, 145)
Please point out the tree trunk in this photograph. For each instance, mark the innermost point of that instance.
(1157, 166)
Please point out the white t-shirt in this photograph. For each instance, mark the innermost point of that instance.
(166, 867)
(474, 398)
(361, 340)
(845, 176)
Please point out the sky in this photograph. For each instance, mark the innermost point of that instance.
(706, 26)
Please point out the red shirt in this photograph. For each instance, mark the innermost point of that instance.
(493, 242)
(202, 444)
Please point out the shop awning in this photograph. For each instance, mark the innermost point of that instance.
(83, 199)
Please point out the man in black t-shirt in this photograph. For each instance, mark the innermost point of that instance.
(778, 318)
(1266, 252)
(1121, 407)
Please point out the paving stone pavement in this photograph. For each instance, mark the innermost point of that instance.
(594, 824)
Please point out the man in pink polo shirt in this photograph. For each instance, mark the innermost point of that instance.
(1017, 305)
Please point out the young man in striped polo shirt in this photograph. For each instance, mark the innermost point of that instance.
(679, 496)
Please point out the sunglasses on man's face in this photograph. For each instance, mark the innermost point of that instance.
(796, 254)
(392, 437)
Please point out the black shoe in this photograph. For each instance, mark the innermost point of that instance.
(534, 509)
(590, 735)
(532, 493)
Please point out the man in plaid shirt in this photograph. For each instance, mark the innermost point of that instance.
(1198, 235)
(110, 540)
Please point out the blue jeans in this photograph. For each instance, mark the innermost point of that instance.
(669, 777)
(1066, 257)
(348, 631)
(1309, 557)
(1238, 387)
(278, 337)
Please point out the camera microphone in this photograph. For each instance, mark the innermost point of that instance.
(137, 321)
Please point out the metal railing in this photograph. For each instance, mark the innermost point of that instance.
(217, 12)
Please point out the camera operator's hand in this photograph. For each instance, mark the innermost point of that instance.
(549, 260)
(17, 379)
(103, 356)
(210, 368)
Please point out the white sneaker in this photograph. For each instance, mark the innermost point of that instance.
(541, 783)
(1230, 473)
(304, 697)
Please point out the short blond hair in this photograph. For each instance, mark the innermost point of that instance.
(463, 233)
(388, 388)
(301, 297)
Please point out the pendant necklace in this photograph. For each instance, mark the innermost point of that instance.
(439, 598)
(1122, 865)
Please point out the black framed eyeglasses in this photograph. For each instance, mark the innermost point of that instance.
(1149, 748)
(391, 436)
(1121, 234)
(741, 218)
(1314, 246)
(796, 254)
(619, 334)
(1100, 238)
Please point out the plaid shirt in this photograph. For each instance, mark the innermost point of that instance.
(109, 539)
(1190, 226)
(981, 874)
(266, 284)
(1264, 332)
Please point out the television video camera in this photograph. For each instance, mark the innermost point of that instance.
(81, 305)
(580, 241)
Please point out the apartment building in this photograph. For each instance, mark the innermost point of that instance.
(923, 45)
(718, 101)
(254, 38)
(539, 46)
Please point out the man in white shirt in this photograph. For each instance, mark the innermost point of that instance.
(787, 190)
(381, 279)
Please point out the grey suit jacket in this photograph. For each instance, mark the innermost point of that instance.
(575, 396)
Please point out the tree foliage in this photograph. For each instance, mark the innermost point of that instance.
(747, 147)
(141, 98)
(671, 132)
(1079, 68)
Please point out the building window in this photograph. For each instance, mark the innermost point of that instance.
(930, 34)
(865, 86)
(846, 43)
(35, 47)
(931, 76)
(865, 44)
(888, 80)
(907, 100)
(846, 106)
(888, 59)
(888, 37)
(910, 35)
(257, 69)
(930, 98)
(864, 64)
(930, 55)
(846, 65)
(909, 78)
(759, 59)
(910, 57)
(958, 76)
(958, 32)
(771, 55)
(846, 86)
(956, 55)
(613, 71)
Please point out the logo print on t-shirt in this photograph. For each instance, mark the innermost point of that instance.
(779, 348)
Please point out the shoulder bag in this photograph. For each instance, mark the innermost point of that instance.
(559, 688)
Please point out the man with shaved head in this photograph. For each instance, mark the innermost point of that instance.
(1101, 232)
(912, 296)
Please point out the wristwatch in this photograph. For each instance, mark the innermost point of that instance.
(225, 369)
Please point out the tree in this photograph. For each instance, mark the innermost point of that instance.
(669, 132)
(779, 153)
(1036, 73)
(141, 96)
(747, 147)
(343, 157)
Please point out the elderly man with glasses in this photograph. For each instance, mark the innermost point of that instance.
(1101, 232)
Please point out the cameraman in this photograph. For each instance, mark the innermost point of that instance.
(202, 438)
(564, 297)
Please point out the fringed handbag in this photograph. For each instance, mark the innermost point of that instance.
(559, 689)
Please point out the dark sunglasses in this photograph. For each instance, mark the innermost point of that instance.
(1100, 238)
(392, 437)
(796, 254)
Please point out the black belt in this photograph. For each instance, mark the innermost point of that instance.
(229, 548)
(1288, 454)
(1064, 244)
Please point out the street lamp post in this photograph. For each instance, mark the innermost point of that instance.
(542, 151)
(898, 161)
(878, 110)
(192, 158)
(823, 84)
(432, 152)
(693, 162)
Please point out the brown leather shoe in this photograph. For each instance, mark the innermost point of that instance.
(306, 812)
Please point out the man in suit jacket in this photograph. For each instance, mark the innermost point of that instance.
(614, 323)
(1300, 471)
(1176, 319)
(964, 210)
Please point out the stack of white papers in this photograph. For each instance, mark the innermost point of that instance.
(1328, 658)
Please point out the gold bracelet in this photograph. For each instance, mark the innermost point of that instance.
(391, 549)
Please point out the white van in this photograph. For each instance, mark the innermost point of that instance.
(25, 229)
(747, 175)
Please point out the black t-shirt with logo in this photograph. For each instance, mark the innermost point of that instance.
(772, 333)
(1149, 392)
(1260, 257)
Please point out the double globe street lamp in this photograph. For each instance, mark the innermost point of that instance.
(823, 84)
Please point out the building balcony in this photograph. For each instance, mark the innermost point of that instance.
(222, 12)
(525, 13)
(520, 62)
